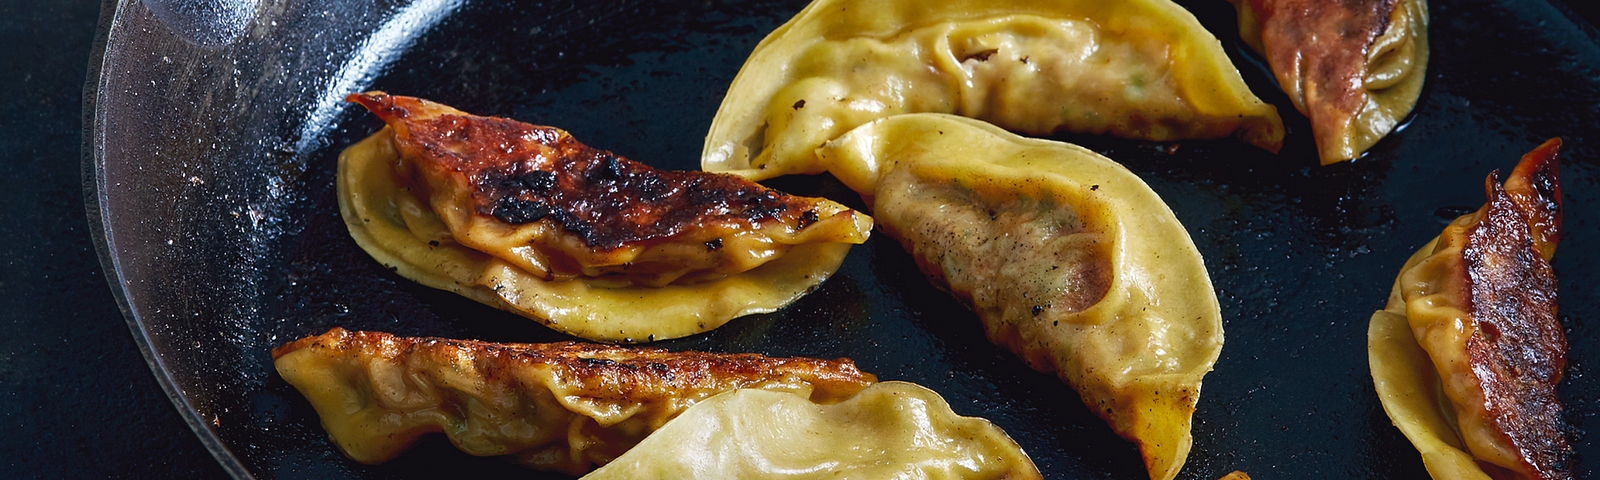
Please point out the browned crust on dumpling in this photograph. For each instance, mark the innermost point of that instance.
(559, 406)
(1322, 46)
(521, 173)
(610, 372)
(1535, 186)
(1519, 350)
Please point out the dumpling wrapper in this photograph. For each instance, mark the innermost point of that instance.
(888, 430)
(1466, 355)
(1354, 67)
(1069, 259)
(1143, 69)
(1408, 388)
(556, 406)
(398, 228)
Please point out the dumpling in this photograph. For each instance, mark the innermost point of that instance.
(888, 430)
(525, 218)
(559, 406)
(1069, 260)
(1353, 67)
(1467, 353)
(1142, 69)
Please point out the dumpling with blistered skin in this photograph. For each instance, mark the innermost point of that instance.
(1467, 353)
(524, 218)
(559, 406)
(1068, 259)
(1142, 69)
(1354, 67)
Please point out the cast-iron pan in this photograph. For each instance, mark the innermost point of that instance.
(216, 126)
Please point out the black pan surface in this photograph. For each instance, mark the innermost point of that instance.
(211, 184)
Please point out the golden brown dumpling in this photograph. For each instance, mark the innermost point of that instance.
(559, 406)
(1141, 69)
(1354, 67)
(1467, 353)
(888, 430)
(527, 219)
(1070, 261)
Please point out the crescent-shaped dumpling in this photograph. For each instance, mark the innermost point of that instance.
(555, 406)
(1142, 69)
(1069, 260)
(526, 219)
(1467, 353)
(888, 430)
(1354, 67)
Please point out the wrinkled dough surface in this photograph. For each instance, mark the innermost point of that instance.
(1070, 261)
(1354, 68)
(1140, 69)
(1408, 389)
(888, 430)
(534, 196)
(560, 406)
(393, 223)
(1016, 256)
(1468, 351)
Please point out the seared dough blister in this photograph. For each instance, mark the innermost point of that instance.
(558, 406)
(648, 413)
(1143, 69)
(1069, 259)
(1467, 353)
(1354, 67)
(528, 220)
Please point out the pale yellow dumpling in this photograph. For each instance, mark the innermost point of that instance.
(1142, 69)
(1069, 260)
(888, 430)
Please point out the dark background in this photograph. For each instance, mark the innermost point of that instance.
(76, 398)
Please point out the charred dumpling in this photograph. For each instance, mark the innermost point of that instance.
(1069, 260)
(524, 218)
(1354, 67)
(888, 430)
(560, 406)
(1142, 69)
(640, 412)
(1467, 353)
